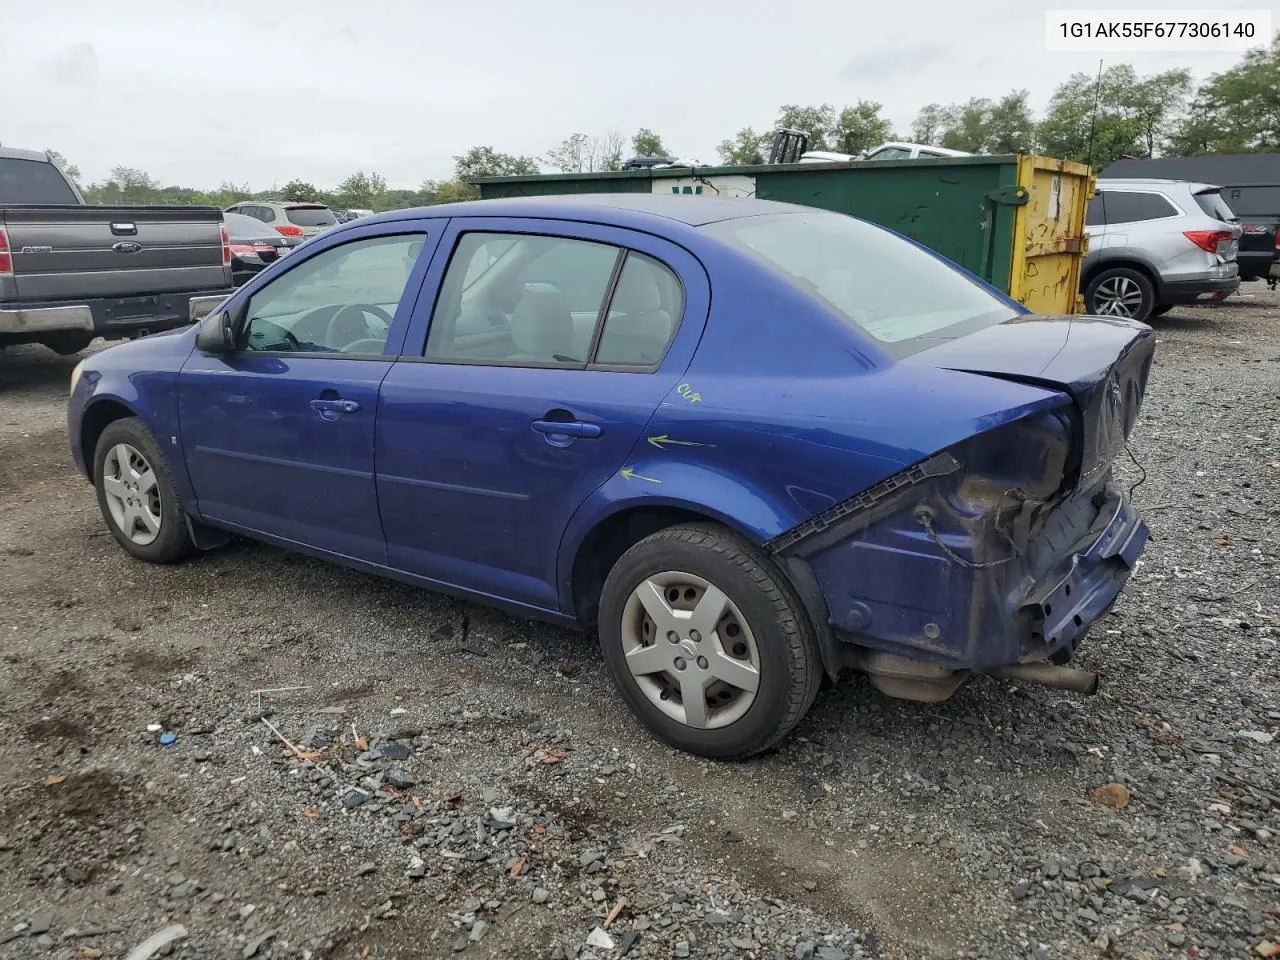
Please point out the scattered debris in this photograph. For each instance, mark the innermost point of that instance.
(599, 939)
(157, 942)
(1112, 794)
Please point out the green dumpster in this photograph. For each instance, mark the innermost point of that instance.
(1016, 221)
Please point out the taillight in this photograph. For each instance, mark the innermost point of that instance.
(289, 231)
(1208, 240)
(226, 246)
(6, 259)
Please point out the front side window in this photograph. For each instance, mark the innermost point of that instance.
(879, 282)
(341, 301)
(521, 299)
(890, 153)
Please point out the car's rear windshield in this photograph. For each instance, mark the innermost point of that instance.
(891, 289)
(310, 216)
(33, 181)
(1211, 202)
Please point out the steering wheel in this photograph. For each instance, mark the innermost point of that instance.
(351, 323)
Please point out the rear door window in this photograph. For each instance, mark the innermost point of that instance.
(33, 181)
(1133, 207)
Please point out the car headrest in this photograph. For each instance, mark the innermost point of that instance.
(541, 324)
(638, 292)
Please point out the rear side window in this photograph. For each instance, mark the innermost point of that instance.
(1211, 202)
(1126, 207)
(310, 216)
(538, 301)
(33, 181)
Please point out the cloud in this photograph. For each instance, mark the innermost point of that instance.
(891, 61)
(77, 66)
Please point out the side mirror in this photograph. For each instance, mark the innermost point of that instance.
(216, 334)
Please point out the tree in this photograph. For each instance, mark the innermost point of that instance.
(298, 191)
(70, 169)
(610, 150)
(361, 191)
(818, 122)
(1236, 111)
(579, 153)
(447, 191)
(746, 148)
(985, 126)
(930, 123)
(859, 128)
(481, 162)
(646, 143)
(1134, 117)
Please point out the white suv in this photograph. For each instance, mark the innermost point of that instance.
(304, 220)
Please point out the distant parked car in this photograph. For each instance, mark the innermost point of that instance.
(1157, 244)
(355, 213)
(886, 151)
(290, 219)
(254, 245)
(570, 407)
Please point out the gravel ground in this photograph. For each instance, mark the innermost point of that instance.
(458, 781)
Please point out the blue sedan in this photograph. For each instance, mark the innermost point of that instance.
(750, 444)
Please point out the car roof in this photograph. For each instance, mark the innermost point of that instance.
(1122, 182)
(622, 208)
(13, 153)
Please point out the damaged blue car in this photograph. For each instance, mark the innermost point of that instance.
(750, 444)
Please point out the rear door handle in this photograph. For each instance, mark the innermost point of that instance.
(573, 428)
(329, 409)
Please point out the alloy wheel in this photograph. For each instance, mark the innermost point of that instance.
(1118, 296)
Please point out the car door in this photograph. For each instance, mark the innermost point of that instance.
(278, 436)
(548, 349)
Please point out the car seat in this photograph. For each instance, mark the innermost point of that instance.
(638, 327)
(542, 326)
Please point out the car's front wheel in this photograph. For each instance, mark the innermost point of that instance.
(136, 494)
(1120, 292)
(707, 642)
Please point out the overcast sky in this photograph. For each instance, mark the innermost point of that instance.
(198, 92)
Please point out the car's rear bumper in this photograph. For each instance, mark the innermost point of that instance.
(110, 318)
(1198, 291)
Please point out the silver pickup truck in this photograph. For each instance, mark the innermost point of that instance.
(70, 272)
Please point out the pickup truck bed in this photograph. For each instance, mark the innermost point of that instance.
(70, 272)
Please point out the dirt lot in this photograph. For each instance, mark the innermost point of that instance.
(471, 783)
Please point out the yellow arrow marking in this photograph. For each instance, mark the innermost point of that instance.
(663, 440)
(630, 474)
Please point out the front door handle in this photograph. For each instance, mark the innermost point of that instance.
(329, 409)
(572, 428)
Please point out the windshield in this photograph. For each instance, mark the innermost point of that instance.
(311, 216)
(882, 284)
(33, 181)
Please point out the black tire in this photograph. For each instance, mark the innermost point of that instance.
(65, 344)
(790, 668)
(173, 540)
(1120, 292)
(1161, 309)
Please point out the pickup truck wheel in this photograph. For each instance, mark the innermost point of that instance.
(1120, 292)
(67, 343)
(708, 643)
(136, 494)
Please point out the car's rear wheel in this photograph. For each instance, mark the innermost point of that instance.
(1161, 309)
(136, 494)
(707, 642)
(1120, 292)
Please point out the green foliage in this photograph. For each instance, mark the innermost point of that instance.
(1237, 111)
(361, 191)
(299, 191)
(746, 148)
(70, 169)
(986, 126)
(646, 143)
(480, 162)
(859, 128)
(818, 122)
(447, 191)
(930, 123)
(1135, 117)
